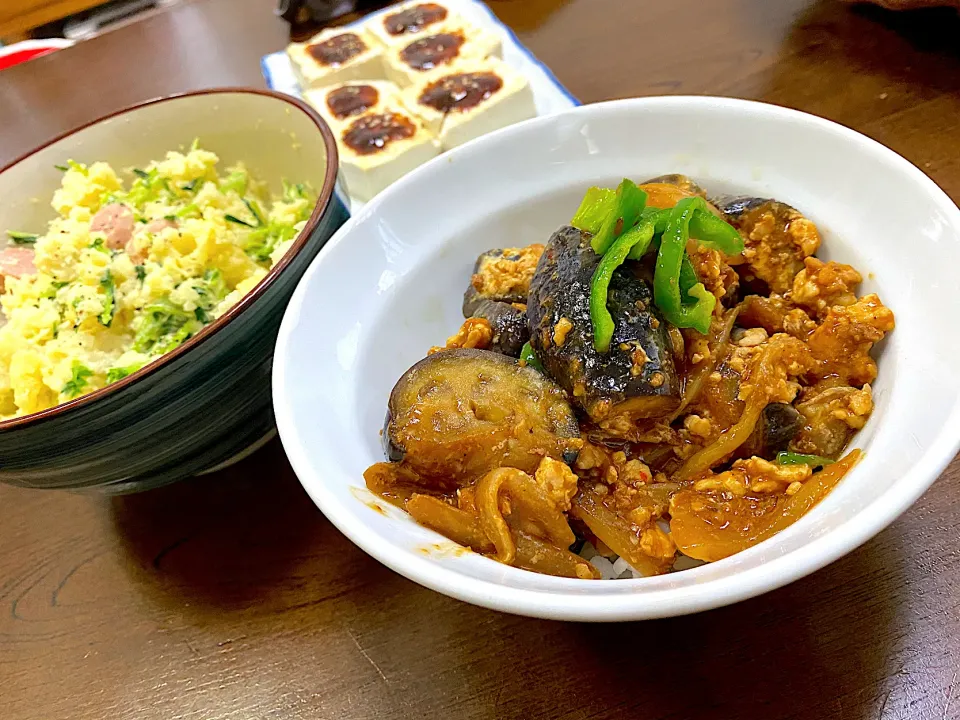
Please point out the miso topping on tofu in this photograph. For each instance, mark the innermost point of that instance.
(433, 51)
(351, 100)
(414, 19)
(337, 50)
(461, 91)
(372, 133)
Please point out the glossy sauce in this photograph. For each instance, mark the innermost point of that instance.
(337, 50)
(414, 19)
(352, 100)
(372, 133)
(460, 92)
(429, 52)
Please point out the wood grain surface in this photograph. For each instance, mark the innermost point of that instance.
(232, 597)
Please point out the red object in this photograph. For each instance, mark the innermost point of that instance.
(27, 50)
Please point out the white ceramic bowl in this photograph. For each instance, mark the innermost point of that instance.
(389, 285)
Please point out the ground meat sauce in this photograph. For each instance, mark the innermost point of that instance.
(680, 432)
(371, 134)
(352, 100)
(461, 91)
(414, 19)
(337, 50)
(429, 52)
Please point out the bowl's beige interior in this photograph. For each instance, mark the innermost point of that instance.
(273, 137)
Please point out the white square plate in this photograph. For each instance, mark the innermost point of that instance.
(548, 94)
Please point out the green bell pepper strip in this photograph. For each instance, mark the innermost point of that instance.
(699, 314)
(713, 232)
(603, 325)
(661, 219)
(597, 204)
(688, 277)
(666, 280)
(630, 203)
(657, 220)
(792, 458)
(530, 358)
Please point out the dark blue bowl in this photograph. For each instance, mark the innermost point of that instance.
(207, 403)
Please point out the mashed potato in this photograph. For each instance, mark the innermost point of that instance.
(127, 272)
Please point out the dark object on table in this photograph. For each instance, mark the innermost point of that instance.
(298, 12)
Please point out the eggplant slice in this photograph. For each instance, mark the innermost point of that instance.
(458, 414)
(636, 379)
(680, 181)
(777, 239)
(822, 432)
(778, 425)
(504, 274)
(508, 322)
(500, 282)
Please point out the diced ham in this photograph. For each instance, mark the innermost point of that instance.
(16, 262)
(160, 224)
(116, 222)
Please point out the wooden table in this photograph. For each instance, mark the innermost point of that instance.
(232, 596)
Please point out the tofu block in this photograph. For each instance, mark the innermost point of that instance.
(427, 55)
(339, 105)
(336, 56)
(377, 149)
(402, 24)
(470, 99)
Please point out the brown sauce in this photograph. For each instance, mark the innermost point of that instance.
(352, 100)
(414, 19)
(337, 50)
(461, 91)
(429, 52)
(372, 133)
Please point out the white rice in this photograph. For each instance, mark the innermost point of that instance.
(616, 568)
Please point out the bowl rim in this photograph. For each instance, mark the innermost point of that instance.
(562, 602)
(324, 196)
